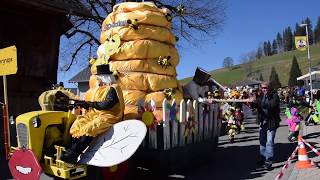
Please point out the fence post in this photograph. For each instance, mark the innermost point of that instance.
(200, 115)
(196, 120)
(174, 127)
(153, 143)
(189, 120)
(206, 121)
(211, 117)
(215, 120)
(181, 123)
(166, 124)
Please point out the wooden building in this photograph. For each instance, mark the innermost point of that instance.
(34, 27)
(82, 81)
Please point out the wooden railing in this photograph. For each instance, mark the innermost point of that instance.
(189, 123)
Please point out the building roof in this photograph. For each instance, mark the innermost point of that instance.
(248, 82)
(82, 76)
(73, 7)
(306, 76)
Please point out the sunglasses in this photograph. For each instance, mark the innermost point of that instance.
(264, 87)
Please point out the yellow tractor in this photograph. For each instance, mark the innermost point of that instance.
(46, 134)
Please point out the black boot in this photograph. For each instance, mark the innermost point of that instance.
(71, 155)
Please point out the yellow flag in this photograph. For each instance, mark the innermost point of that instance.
(8, 61)
(300, 42)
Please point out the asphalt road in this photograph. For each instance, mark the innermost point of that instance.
(238, 160)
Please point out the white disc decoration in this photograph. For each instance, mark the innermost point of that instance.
(116, 145)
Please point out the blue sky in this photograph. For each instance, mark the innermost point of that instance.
(247, 24)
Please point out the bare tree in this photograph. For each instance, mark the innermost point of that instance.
(247, 60)
(227, 62)
(193, 21)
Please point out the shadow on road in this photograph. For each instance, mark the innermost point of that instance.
(312, 135)
(238, 162)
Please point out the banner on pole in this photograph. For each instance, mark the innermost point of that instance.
(8, 61)
(300, 42)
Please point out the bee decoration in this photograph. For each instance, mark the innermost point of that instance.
(164, 61)
(169, 93)
(133, 23)
(181, 10)
(168, 17)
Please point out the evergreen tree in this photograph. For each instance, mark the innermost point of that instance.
(265, 48)
(288, 39)
(259, 53)
(284, 40)
(274, 47)
(294, 73)
(310, 30)
(269, 50)
(299, 31)
(274, 79)
(317, 31)
(279, 43)
(260, 77)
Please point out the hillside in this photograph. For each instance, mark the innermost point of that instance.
(282, 63)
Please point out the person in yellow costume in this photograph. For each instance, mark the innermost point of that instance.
(105, 109)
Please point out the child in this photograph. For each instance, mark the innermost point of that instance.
(232, 127)
(294, 124)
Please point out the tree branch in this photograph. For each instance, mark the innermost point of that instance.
(83, 32)
(76, 52)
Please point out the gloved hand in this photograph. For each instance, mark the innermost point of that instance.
(83, 104)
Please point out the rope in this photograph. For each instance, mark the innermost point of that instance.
(285, 166)
(311, 147)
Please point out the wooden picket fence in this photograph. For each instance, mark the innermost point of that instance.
(175, 133)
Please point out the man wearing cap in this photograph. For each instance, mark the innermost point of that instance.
(268, 117)
(105, 109)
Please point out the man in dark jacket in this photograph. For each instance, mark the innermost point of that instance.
(268, 117)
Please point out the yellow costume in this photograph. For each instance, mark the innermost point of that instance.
(95, 122)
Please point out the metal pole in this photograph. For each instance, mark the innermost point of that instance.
(6, 119)
(310, 76)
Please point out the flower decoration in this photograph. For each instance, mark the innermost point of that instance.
(147, 113)
(164, 61)
(173, 109)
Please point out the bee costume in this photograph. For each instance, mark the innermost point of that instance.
(105, 109)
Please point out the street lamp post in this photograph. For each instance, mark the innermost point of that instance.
(308, 50)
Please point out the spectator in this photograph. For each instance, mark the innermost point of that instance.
(268, 117)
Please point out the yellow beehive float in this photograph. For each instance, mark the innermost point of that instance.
(146, 60)
(137, 42)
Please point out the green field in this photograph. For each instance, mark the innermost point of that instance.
(282, 63)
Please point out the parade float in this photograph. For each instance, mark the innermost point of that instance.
(137, 43)
(180, 131)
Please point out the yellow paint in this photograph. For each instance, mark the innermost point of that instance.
(37, 135)
(8, 61)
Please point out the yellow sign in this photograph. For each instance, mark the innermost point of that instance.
(8, 61)
(300, 42)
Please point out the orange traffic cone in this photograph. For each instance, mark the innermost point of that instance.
(303, 160)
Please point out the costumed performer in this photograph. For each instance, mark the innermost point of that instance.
(105, 109)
